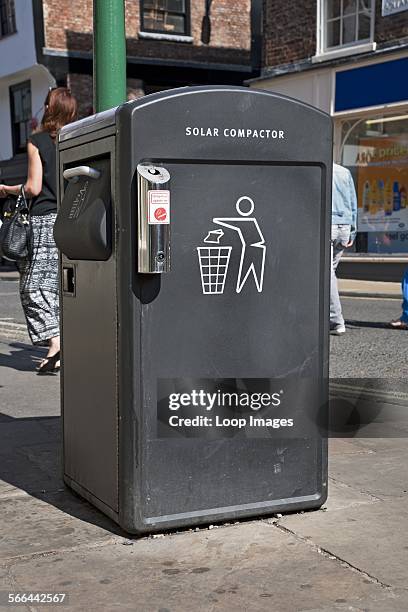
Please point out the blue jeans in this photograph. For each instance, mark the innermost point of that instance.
(340, 236)
(404, 284)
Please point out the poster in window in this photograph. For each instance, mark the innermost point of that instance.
(382, 184)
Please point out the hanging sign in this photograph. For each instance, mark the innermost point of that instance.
(389, 7)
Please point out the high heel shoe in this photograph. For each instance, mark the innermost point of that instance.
(49, 366)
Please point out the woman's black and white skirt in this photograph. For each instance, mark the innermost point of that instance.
(39, 282)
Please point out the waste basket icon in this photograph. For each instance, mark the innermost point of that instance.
(214, 262)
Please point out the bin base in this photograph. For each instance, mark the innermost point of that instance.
(91, 498)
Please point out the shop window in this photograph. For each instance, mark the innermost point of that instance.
(165, 16)
(7, 18)
(346, 23)
(20, 107)
(375, 149)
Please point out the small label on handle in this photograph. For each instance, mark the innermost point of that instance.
(159, 207)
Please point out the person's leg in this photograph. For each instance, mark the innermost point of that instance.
(39, 287)
(402, 321)
(53, 348)
(54, 344)
(340, 239)
(404, 316)
(52, 360)
(336, 317)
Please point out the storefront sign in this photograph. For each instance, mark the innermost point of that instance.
(382, 183)
(389, 7)
(373, 85)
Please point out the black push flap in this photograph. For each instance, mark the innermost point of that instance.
(83, 228)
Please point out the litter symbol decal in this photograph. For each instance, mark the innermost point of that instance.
(159, 206)
(214, 260)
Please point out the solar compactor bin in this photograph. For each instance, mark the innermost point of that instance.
(194, 227)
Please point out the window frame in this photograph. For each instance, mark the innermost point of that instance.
(10, 10)
(356, 46)
(166, 33)
(15, 125)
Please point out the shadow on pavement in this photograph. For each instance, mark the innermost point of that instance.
(23, 357)
(31, 461)
(368, 408)
(373, 324)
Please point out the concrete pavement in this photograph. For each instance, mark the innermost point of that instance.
(12, 320)
(351, 555)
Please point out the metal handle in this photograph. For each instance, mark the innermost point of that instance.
(81, 171)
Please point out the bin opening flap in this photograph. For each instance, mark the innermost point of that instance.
(82, 228)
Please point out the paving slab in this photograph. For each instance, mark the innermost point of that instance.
(16, 433)
(30, 525)
(369, 414)
(342, 496)
(17, 473)
(339, 446)
(374, 540)
(30, 455)
(23, 393)
(384, 445)
(381, 474)
(251, 566)
(45, 457)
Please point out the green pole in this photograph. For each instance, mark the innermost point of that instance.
(109, 54)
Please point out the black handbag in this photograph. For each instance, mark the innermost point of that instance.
(15, 232)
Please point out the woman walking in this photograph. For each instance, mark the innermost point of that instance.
(39, 272)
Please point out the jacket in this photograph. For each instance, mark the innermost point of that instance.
(344, 199)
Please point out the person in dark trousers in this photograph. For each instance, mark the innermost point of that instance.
(343, 233)
(402, 322)
(39, 271)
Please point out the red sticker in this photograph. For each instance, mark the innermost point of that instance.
(160, 214)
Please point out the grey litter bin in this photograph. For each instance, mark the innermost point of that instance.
(193, 226)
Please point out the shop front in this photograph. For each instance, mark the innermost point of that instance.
(368, 101)
(375, 149)
(371, 124)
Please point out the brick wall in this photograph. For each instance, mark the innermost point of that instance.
(390, 28)
(68, 26)
(65, 28)
(289, 30)
(81, 87)
(62, 16)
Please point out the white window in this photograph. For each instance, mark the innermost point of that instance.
(345, 24)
